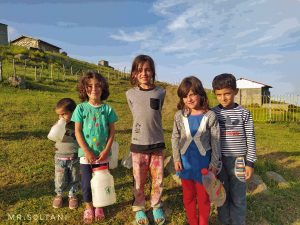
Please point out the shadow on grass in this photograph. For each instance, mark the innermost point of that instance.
(114, 101)
(276, 206)
(20, 135)
(271, 162)
(11, 194)
(45, 87)
(124, 131)
(279, 155)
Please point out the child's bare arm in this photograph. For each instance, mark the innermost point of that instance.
(89, 155)
(105, 152)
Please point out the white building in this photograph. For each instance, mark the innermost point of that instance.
(252, 92)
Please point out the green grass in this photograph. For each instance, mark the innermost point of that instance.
(43, 61)
(27, 165)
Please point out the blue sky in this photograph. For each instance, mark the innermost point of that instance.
(254, 39)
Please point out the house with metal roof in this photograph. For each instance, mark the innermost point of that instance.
(34, 43)
(252, 92)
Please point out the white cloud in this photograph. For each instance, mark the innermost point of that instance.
(182, 45)
(134, 37)
(219, 36)
(178, 45)
(275, 32)
(254, 3)
(281, 29)
(270, 59)
(245, 33)
(163, 6)
(186, 19)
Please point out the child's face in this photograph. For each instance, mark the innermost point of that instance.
(225, 97)
(144, 74)
(93, 90)
(63, 113)
(192, 101)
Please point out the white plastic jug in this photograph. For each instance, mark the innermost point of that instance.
(58, 130)
(113, 161)
(103, 189)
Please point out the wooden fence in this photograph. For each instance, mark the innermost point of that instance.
(53, 71)
(275, 108)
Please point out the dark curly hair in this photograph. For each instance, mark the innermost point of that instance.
(141, 59)
(82, 85)
(192, 84)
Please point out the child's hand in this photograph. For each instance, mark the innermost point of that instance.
(213, 170)
(249, 172)
(178, 166)
(90, 157)
(103, 155)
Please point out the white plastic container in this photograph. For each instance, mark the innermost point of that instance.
(127, 160)
(103, 189)
(58, 131)
(213, 187)
(113, 161)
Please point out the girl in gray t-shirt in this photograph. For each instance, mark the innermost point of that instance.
(145, 101)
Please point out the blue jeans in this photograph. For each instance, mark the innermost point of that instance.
(67, 176)
(234, 209)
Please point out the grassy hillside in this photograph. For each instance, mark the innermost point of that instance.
(30, 62)
(27, 165)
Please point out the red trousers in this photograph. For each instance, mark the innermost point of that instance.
(193, 194)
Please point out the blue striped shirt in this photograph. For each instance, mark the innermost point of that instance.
(237, 132)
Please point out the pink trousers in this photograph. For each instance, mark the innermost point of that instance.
(141, 164)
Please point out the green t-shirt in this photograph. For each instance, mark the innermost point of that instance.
(95, 125)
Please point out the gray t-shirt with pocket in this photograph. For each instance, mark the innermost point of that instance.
(146, 106)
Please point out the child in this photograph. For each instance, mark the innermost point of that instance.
(238, 149)
(66, 160)
(145, 101)
(94, 130)
(195, 144)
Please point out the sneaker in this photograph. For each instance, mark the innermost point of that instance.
(73, 202)
(57, 201)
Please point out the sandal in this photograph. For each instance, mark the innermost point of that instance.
(99, 214)
(159, 217)
(88, 216)
(141, 218)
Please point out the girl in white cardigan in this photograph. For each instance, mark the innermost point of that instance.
(196, 145)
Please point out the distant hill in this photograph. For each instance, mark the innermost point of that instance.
(44, 60)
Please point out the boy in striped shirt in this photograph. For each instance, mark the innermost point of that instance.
(237, 147)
